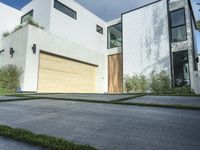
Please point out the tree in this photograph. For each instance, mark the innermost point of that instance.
(198, 25)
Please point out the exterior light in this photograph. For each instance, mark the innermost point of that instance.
(34, 48)
(12, 52)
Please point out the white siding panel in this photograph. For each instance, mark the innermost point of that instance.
(82, 30)
(146, 40)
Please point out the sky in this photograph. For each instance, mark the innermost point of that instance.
(106, 9)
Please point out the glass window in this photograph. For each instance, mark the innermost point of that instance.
(27, 16)
(115, 36)
(179, 34)
(99, 29)
(178, 26)
(181, 68)
(61, 7)
(178, 18)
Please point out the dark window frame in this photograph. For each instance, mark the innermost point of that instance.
(178, 26)
(31, 11)
(173, 58)
(108, 33)
(99, 29)
(75, 16)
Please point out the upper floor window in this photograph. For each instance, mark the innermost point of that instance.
(115, 36)
(178, 25)
(27, 16)
(61, 7)
(99, 29)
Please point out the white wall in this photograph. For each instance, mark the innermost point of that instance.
(17, 41)
(41, 11)
(10, 18)
(146, 40)
(81, 30)
(61, 46)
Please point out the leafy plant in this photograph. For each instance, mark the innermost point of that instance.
(182, 90)
(128, 84)
(10, 76)
(198, 25)
(33, 23)
(160, 82)
(5, 34)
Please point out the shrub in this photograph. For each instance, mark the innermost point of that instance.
(17, 28)
(10, 76)
(33, 23)
(5, 34)
(182, 90)
(160, 82)
(137, 84)
(128, 84)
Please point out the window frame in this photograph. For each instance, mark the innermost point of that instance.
(100, 29)
(75, 16)
(31, 11)
(108, 33)
(178, 26)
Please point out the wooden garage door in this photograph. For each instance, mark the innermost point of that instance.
(61, 75)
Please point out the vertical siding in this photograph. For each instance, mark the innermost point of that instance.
(146, 40)
(82, 30)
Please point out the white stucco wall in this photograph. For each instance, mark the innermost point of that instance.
(17, 41)
(146, 40)
(54, 44)
(10, 18)
(41, 12)
(82, 30)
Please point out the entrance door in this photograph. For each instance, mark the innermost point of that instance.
(115, 77)
(181, 68)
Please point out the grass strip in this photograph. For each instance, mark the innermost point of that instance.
(45, 141)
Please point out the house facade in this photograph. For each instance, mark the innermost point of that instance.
(77, 52)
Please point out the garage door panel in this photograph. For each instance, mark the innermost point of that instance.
(64, 75)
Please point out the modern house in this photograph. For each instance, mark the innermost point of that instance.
(77, 52)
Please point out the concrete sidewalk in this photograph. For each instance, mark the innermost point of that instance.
(92, 97)
(168, 100)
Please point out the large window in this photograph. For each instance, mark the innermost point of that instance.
(115, 36)
(181, 68)
(61, 7)
(27, 16)
(178, 25)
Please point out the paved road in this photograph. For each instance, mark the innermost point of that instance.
(8, 144)
(179, 100)
(9, 98)
(98, 97)
(106, 126)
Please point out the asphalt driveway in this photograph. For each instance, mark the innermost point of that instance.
(107, 126)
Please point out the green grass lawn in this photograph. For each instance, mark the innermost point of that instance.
(45, 141)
